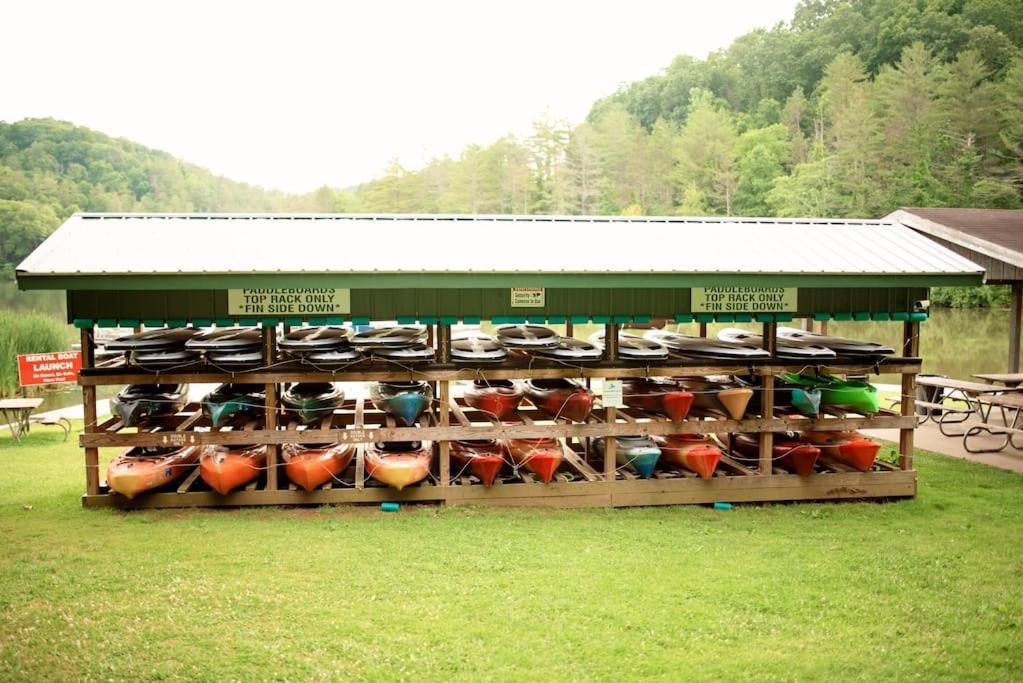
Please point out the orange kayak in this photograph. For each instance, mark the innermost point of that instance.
(541, 456)
(313, 466)
(225, 468)
(850, 448)
(484, 457)
(695, 452)
(136, 470)
(399, 463)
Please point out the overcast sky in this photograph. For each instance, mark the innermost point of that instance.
(297, 94)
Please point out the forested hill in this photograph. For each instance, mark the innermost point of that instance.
(50, 169)
(851, 109)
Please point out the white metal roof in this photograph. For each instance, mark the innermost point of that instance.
(332, 243)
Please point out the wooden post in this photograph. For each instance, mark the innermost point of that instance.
(610, 446)
(89, 414)
(703, 330)
(569, 328)
(443, 343)
(611, 342)
(1014, 322)
(269, 352)
(445, 445)
(808, 324)
(911, 347)
(770, 335)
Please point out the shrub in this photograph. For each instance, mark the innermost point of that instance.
(22, 332)
(987, 296)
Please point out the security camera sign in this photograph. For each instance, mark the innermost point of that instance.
(744, 299)
(289, 301)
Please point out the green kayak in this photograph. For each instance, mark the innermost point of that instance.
(849, 394)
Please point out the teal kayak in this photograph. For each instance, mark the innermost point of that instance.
(849, 394)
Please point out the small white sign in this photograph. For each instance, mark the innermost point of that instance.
(528, 297)
(611, 394)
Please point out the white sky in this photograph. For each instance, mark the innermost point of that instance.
(299, 94)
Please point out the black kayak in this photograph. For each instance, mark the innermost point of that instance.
(235, 360)
(703, 348)
(398, 336)
(226, 339)
(527, 336)
(308, 402)
(231, 400)
(153, 340)
(332, 357)
(477, 348)
(843, 346)
(783, 349)
(571, 350)
(315, 339)
(138, 402)
(163, 359)
(418, 353)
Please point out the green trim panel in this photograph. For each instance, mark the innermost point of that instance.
(84, 323)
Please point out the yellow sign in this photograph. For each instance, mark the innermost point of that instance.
(744, 299)
(289, 301)
(528, 297)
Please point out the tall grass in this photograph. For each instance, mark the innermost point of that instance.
(26, 333)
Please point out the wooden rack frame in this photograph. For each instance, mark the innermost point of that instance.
(587, 485)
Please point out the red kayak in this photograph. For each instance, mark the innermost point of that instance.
(695, 452)
(540, 456)
(560, 398)
(483, 457)
(499, 397)
(313, 466)
(851, 448)
(788, 451)
(663, 397)
(225, 468)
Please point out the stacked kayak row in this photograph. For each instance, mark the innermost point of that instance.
(334, 347)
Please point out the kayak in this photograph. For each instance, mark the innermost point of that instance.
(479, 348)
(788, 450)
(323, 338)
(497, 397)
(164, 359)
(541, 456)
(718, 395)
(308, 402)
(695, 452)
(664, 397)
(405, 401)
(399, 463)
(226, 339)
(139, 469)
(527, 336)
(570, 350)
(851, 448)
(235, 360)
(137, 403)
(843, 346)
(311, 466)
(225, 468)
(402, 335)
(848, 394)
(342, 355)
(639, 453)
(231, 400)
(416, 353)
(783, 347)
(483, 457)
(153, 340)
(633, 348)
(560, 398)
(789, 397)
(702, 348)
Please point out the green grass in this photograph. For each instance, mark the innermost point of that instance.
(927, 588)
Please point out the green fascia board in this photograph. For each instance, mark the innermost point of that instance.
(84, 323)
(601, 319)
(724, 318)
(843, 316)
(783, 317)
(704, 317)
(406, 320)
(764, 317)
(360, 320)
(177, 322)
(425, 320)
(202, 322)
(449, 320)
(743, 317)
(917, 317)
(269, 322)
(641, 319)
(248, 322)
(125, 322)
(881, 315)
(292, 321)
(901, 316)
(106, 322)
(224, 322)
(154, 322)
(536, 319)
(556, 319)
(171, 281)
(822, 317)
(334, 320)
(579, 319)
(621, 319)
(683, 318)
(861, 315)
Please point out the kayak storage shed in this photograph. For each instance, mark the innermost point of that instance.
(157, 270)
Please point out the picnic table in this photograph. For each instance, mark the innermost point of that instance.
(17, 412)
(945, 410)
(1011, 403)
(1009, 379)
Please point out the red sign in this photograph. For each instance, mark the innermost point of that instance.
(49, 368)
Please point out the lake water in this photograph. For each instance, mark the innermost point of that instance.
(957, 343)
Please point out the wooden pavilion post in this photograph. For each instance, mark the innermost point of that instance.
(444, 356)
(89, 413)
(269, 348)
(610, 414)
(770, 334)
(1014, 322)
(911, 347)
(703, 330)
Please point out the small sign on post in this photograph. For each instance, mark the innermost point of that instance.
(611, 394)
(49, 368)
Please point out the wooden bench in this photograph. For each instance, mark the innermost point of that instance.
(51, 421)
(1007, 404)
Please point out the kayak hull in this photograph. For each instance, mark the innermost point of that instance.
(484, 458)
(663, 398)
(308, 402)
(132, 472)
(849, 448)
(639, 453)
(313, 466)
(497, 398)
(694, 452)
(225, 468)
(540, 456)
(404, 401)
(560, 398)
(793, 454)
(399, 465)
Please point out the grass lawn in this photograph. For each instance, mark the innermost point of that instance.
(928, 588)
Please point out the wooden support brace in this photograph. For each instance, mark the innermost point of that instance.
(911, 346)
(269, 349)
(610, 446)
(445, 445)
(360, 456)
(89, 413)
(766, 460)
